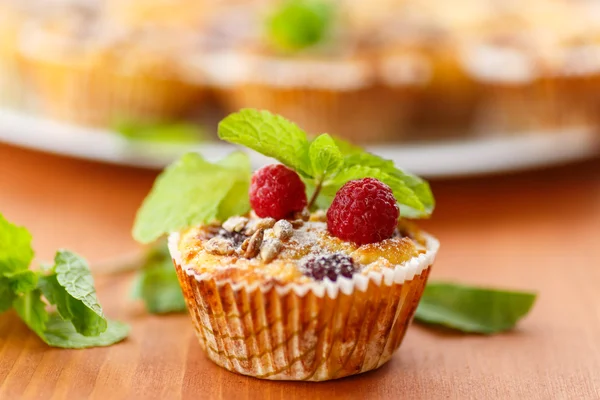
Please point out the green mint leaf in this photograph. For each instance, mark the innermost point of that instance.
(32, 310)
(269, 134)
(192, 191)
(298, 24)
(161, 132)
(7, 295)
(60, 333)
(83, 319)
(473, 309)
(325, 157)
(359, 163)
(236, 201)
(71, 289)
(56, 332)
(157, 284)
(15, 256)
(15, 247)
(22, 281)
(403, 194)
(68, 284)
(73, 273)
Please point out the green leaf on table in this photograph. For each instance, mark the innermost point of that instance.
(192, 191)
(56, 331)
(61, 333)
(269, 134)
(32, 310)
(325, 157)
(15, 247)
(7, 295)
(22, 281)
(161, 132)
(71, 289)
(73, 273)
(473, 309)
(68, 284)
(157, 284)
(298, 24)
(15, 256)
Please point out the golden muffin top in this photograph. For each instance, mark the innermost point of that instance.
(299, 250)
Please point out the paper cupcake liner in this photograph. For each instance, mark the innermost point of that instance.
(313, 331)
(94, 95)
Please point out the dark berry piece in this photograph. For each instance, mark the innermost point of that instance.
(277, 192)
(363, 211)
(236, 238)
(330, 266)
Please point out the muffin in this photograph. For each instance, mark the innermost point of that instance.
(82, 69)
(267, 314)
(278, 292)
(307, 66)
(447, 96)
(519, 62)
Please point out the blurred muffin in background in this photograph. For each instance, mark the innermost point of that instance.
(84, 68)
(304, 65)
(376, 72)
(13, 14)
(519, 61)
(446, 102)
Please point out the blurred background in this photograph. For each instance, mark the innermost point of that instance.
(445, 88)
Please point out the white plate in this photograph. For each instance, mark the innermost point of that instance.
(496, 153)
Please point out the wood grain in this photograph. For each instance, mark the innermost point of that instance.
(538, 230)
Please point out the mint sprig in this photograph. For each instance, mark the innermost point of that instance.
(299, 24)
(192, 191)
(325, 164)
(269, 134)
(68, 284)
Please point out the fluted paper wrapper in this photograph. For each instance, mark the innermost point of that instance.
(314, 331)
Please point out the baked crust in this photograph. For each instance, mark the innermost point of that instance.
(311, 239)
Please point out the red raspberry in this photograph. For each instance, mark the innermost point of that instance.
(276, 191)
(363, 211)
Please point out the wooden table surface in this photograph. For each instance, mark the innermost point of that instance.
(535, 230)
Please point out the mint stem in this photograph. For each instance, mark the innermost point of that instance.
(315, 194)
